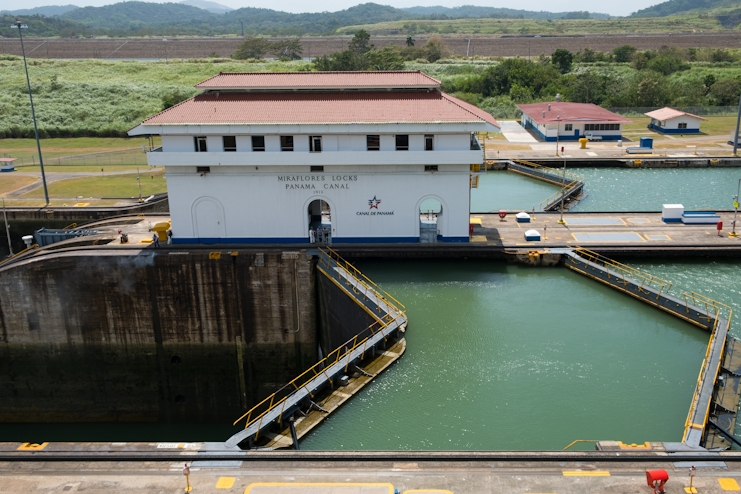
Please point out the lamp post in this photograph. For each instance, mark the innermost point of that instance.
(20, 26)
(735, 210)
(563, 193)
(738, 123)
(164, 40)
(558, 130)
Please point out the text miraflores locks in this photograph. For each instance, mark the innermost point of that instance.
(315, 182)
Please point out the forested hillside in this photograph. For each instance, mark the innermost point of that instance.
(672, 7)
(474, 11)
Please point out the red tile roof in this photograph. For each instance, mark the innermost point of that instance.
(319, 80)
(666, 113)
(321, 108)
(570, 112)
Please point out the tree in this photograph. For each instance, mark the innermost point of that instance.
(708, 82)
(651, 90)
(385, 59)
(725, 92)
(562, 59)
(500, 78)
(410, 41)
(666, 64)
(342, 61)
(624, 53)
(287, 49)
(435, 49)
(360, 43)
(252, 48)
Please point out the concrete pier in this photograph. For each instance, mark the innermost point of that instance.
(150, 469)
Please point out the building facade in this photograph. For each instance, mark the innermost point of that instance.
(296, 157)
(571, 121)
(670, 121)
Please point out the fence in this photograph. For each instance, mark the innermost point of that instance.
(715, 111)
(133, 156)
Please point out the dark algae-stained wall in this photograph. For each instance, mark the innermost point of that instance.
(105, 334)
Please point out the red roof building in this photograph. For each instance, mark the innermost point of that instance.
(670, 121)
(571, 121)
(352, 156)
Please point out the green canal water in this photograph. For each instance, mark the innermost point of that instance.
(509, 357)
(614, 189)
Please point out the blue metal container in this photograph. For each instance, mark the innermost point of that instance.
(647, 142)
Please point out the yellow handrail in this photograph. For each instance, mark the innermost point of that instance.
(565, 190)
(547, 169)
(581, 441)
(362, 279)
(332, 358)
(17, 254)
(645, 278)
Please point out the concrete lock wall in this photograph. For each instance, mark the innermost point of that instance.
(152, 337)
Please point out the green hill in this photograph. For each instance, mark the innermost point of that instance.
(672, 7)
(48, 10)
(474, 11)
(132, 15)
(39, 25)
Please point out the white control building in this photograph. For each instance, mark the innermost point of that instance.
(346, 156)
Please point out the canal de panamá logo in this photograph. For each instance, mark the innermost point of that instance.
(373, 204)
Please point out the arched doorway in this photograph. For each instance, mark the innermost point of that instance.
(320, 222)
(430, 221)
(208, 218)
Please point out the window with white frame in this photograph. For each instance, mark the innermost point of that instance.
(315, 144)
(200, 143)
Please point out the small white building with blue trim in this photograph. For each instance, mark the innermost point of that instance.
(296, 157)
(670, 121)
(557, 120)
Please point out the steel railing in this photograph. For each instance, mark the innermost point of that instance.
(363, 281)
(258, 412)
(645, 279)
(556, 196)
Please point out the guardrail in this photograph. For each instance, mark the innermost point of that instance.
(359, 277)
(565, 192)
(619, 268)
(19, 254)
(547, 171)
(279, 398)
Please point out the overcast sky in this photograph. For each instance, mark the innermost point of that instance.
(624, 7)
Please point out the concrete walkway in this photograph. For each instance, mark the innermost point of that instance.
(514, 132)
(358, 477)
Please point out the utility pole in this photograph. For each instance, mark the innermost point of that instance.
(20, 26)
(7, 230)
(242, 23)
(164, 40)
(735, 210)
(738, 121)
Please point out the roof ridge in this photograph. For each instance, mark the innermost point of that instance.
(455, 101)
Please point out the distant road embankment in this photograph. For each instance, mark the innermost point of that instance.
(490, 46)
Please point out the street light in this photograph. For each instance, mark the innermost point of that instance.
(735, 209)
(558, 130)
(20, 26)
(164, 40)
(563, 192)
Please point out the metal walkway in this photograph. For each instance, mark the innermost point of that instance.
(389, 319)
(694, 308)
(571, 185)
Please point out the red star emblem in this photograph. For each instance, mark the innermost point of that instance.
(373, 203)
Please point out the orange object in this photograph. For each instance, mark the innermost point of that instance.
(656, 479)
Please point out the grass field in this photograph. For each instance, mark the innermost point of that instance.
(93, 169)
(111, 186)
(678, 23)
(60, 147)
(714, 126)
(10, 182)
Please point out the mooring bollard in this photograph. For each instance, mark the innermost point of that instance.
(186, 472)
(690, 489)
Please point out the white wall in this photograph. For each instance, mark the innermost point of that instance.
(178, 144)
(673, 123)
(267, 204)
